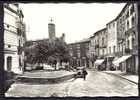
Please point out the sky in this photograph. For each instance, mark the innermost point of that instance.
(78, 20)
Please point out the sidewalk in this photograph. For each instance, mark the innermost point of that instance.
(130, 77)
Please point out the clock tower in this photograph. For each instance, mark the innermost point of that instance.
(51, 30)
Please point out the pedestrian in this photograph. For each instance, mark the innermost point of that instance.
(84, 74)
(55, 62)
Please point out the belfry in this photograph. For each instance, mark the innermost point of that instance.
(51, 30)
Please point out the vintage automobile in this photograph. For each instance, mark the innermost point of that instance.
(79, 73)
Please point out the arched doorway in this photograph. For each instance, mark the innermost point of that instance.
(9, 63)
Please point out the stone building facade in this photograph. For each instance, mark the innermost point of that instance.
(121, 30)
(98, 47)
(131, 39)
(79, 53)
(102, 43)
(92, 56)
(122, 41)
(127, 37)
(112, 38)
(96, 41)
(14, 38)
(111, 42)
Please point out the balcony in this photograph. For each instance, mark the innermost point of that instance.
(96, 46)
(131, 30)
(11, 7)
(102, 46)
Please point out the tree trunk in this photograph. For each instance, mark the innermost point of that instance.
(55, 66)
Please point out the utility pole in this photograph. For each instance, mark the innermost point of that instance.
(2, 79)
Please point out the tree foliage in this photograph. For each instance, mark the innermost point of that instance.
(47, 52)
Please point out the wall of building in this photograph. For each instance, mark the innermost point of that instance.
(79, 52)
(112, 38)
(91, 51)
(96, 41)
(130, 38)
(102, 43)
(11, 38)
(119, 31)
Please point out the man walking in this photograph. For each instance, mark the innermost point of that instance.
(84, 73)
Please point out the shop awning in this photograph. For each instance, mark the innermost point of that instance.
(99, 61)
(116, 58)
(80, 67)
(121, 59)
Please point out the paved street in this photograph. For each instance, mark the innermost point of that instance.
(102, 84)
(97, 84)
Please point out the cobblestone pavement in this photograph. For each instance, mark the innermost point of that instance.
(96, 84)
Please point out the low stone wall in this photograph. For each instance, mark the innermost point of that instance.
(33, 80)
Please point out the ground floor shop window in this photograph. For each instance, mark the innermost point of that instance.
(130, 65)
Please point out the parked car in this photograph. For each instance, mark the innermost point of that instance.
(112, 68)
(79, 73)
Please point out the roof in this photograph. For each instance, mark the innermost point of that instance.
(81, 41)
(92, 36)
(118, 14)
(85, 40)
(99, 31)
(111, 21)
(122, 11)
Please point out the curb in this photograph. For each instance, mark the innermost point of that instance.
(44, 80)
(122, 77)
(8, 84)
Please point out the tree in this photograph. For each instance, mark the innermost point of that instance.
(47, 52)
(62, 51)
(38, 52)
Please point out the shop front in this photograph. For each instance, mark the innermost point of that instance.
(122, 62)
(100, 64)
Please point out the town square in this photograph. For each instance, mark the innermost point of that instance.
(69, 50)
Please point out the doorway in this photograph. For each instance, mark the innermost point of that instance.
(9, 63)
